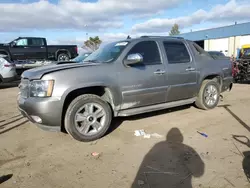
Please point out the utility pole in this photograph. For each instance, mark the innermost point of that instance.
(86, 36)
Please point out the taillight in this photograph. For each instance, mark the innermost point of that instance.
(9, 65)
(76, 49)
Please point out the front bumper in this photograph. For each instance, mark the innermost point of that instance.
(48, 110)
(9, 79)
(227, 84)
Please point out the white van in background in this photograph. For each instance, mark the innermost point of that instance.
(7, 70)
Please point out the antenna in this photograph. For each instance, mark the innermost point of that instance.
(162, 36)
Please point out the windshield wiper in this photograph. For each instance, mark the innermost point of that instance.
(92, 61)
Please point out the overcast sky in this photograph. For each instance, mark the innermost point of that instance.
(71, 21)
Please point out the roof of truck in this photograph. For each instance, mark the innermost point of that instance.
(32, 37)
(150, 37)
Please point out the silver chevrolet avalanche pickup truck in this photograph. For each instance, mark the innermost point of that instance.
(122, 78)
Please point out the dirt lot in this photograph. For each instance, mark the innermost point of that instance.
(37, 158)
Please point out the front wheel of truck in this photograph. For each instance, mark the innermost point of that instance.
(88, 118)
(209, 95)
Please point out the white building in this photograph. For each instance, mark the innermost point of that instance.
(226, 39)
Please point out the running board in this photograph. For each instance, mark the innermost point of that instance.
(141, 110)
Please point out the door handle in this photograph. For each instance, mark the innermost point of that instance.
(26, 47)
(159, 72)
(42, 47)
(190, 69)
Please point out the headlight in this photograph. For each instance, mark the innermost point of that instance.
(41, 88)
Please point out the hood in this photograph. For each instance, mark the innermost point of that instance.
(37, 73)
(4, 44)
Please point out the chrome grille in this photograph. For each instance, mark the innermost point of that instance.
(24, 88)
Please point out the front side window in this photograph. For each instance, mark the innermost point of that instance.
(149, 51)
(176, 52)
(22, 42)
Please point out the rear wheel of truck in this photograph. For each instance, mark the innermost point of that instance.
(209, 95)
(87, 118)
(63, 57)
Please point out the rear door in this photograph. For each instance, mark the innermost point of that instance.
(181, 68)
(145, 83)
(37, 48)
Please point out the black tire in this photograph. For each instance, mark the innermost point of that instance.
(74, 106)
(200, 101)
(63, 57)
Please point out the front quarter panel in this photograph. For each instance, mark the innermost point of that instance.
(69, 80)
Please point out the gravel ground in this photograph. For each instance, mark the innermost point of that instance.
(177, 156)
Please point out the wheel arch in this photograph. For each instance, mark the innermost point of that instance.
(60, 51)
(216, 77)
(102, 91)
(5, 52)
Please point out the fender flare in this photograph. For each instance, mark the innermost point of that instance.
(62, 50)
(108, 90)
(211, 75)
(6, 52)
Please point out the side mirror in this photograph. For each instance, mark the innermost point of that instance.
(133, 59)
(12, 44)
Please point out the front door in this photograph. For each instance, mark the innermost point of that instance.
(182, 73)
(143, 84)
(20, 50)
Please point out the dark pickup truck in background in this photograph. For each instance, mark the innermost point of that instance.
(36, 49)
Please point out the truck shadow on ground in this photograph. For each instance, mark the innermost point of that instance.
(11, 123)
(169, 163)
(243, 82)
(9, 85)
(243, 140)
(119, 120)
(5, 178)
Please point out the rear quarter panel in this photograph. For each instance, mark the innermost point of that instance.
(207, 66)
(220, 68)
(54, 49)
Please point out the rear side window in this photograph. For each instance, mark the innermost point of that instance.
(176, 52)
(149, 51)
(36, 42)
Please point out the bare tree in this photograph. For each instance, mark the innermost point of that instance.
(92, 44)
(174, 30)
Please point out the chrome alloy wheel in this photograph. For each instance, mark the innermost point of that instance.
(211, 95)
(90, 119)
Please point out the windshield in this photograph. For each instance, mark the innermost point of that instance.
(107, 53)
(81, 57)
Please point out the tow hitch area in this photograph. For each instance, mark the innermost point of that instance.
(231, 86)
